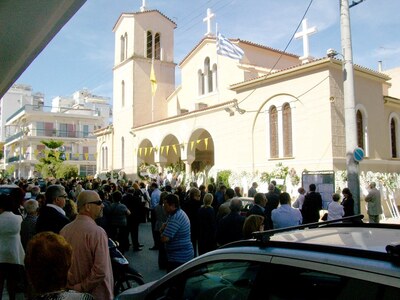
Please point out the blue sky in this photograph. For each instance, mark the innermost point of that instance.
(82, 54)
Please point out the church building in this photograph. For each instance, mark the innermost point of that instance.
(247, 114)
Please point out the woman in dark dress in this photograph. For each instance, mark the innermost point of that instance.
(207, 226)
(348, 203)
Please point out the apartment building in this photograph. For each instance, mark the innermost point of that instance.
(69, 119)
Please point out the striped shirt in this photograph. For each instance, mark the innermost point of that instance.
(179, 247)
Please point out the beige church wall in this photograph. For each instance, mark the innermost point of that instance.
(261, 57)
(124, 25)
(122, 73)
(394, 90)
(156, 23)
(368, 95)
(228, 73)
(310, 114)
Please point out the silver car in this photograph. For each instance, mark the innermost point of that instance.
(314, 261)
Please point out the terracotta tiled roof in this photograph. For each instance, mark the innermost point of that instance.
(213, 38)
(143, 12)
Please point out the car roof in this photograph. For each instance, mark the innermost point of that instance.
(361, 237)
(8, 186)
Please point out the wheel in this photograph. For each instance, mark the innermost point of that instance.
(129, 281)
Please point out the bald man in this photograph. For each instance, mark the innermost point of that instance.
(91, 269)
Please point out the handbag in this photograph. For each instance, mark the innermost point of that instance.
(324, 217)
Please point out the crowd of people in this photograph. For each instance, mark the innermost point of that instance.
(78, 216)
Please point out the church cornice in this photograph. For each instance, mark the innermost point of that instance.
(190, 114)
(305, 67)
(391, 101)
(133, 14)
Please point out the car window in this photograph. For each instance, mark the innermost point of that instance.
(214, 281)
(240, 280)
(286, 282)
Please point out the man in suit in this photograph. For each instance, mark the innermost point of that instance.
(312, 205)
(260, 200)
(374, 203)
(52, 216)
(272, 203)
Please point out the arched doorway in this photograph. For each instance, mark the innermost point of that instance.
(169, 152)
(200, 151)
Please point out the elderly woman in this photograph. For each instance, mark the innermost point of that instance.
(47, 261)
(11, 250)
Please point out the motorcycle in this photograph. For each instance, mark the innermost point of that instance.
(125, 277)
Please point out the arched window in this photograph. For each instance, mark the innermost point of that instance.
(360, 130)
(157, 46)
(214, 76)
(102, 158)
(393, 137)
(207, 76)
(122, 152)
(122, 40)
(123, 93)
(126, 46)
(149, 45)
(200, 82)
(273, 132)
(287, 130)
(106, 158)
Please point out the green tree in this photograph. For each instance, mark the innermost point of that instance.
(52, 160)
(67, 171)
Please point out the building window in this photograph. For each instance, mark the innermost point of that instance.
(157, 46)
(360, 130)
(63, 131)
(126, 46)
(85, 130)
(200, 82)
(149, 45)
(287, 131)
(123, 93)
(214, 77)
(208, 76)
(122, 45)
(393, 137)
(273, 132)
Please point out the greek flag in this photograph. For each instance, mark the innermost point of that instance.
(226, 48)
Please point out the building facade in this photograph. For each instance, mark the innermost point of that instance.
(70, 120)
(246, 115)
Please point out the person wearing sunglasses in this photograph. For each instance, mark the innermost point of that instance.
(52, 216)
(91, 270)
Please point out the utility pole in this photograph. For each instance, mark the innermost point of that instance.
(353, 180)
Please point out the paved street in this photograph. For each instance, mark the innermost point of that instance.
(145, 261)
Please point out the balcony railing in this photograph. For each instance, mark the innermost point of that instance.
(42, 108)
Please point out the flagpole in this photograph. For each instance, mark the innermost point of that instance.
(218, 70)
(152, 93)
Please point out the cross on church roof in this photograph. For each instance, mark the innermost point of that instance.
(207, 19)
(143, 7)
(304, 34)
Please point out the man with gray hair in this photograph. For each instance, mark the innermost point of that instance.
(230, 227)
(28, 225)
(52, 216)
(374, 203)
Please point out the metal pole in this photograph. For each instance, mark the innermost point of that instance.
(353, 180)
